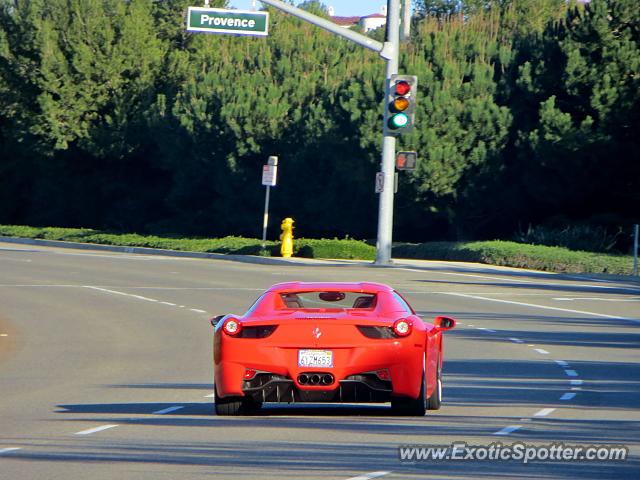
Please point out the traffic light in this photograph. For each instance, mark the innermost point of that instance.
(401, 104)
(406, 160)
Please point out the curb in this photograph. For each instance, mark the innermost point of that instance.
(158, 251)
(297, 261)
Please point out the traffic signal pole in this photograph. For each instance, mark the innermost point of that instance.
(385, 206)
(389, 52)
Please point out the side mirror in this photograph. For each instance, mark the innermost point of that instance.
(214, 320)
(444, 323)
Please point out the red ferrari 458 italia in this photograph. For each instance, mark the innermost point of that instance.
(328, 342)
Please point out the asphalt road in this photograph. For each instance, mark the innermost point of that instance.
(105, 372)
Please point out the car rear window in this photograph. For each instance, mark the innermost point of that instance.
(332, 300)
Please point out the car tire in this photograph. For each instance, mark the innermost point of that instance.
(435, 400)
(415, 407)
(229, 406)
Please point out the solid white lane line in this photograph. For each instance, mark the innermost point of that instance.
(598, 299)
(211, 395)
(508, 430)
(571, 373)
(542, 283)
(544, 307)
(541, 351)
(544, 412)
(168, 303)
(22, 285)
(369, 476)
(197, 310)
(575, 382)
(516, 340)
(168, 410)
(567, 396)
(10, 449)
(562, 363)
(94, 430)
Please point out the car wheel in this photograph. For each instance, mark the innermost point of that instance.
(413, 406)
(229, 405)
(435, 400)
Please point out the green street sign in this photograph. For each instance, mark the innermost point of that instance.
(236, 22)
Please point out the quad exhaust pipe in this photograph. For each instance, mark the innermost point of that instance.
(315, 379)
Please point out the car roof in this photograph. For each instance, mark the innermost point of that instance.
(369, 287)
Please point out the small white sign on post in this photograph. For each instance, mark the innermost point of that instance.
(269, 178)
(379, 182)
(269, 175)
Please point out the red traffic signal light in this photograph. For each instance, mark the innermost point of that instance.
(403, 87)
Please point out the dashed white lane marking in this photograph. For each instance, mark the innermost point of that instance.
(211, 395)
(115, 292)
(369, 476)
(544, 307)
(486, 330)
(164, 411)
(10, 449)
(541, 351)
(575, 382)
(571, 373)
(95, 430)
(544, 412)
(516, 340)
(140, 297)
(4, 334)
(508, 430)
(562, 363)
(567, 396)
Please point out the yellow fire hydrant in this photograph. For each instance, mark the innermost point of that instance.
(286, 249)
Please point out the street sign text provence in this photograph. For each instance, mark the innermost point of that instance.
(217, 20)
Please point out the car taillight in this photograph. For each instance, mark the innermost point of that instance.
(232, 327)
(402, 327)
(249, 374)
(376, 332)
(262, 331)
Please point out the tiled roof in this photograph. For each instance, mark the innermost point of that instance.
(345, 20)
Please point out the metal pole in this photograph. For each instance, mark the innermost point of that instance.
(635, 249)
(405, 35)
(328, 25)
(265, 219)
(385, 209)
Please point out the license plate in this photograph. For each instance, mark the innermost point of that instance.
(315, 358)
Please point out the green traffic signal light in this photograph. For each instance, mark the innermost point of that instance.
(399, 120)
